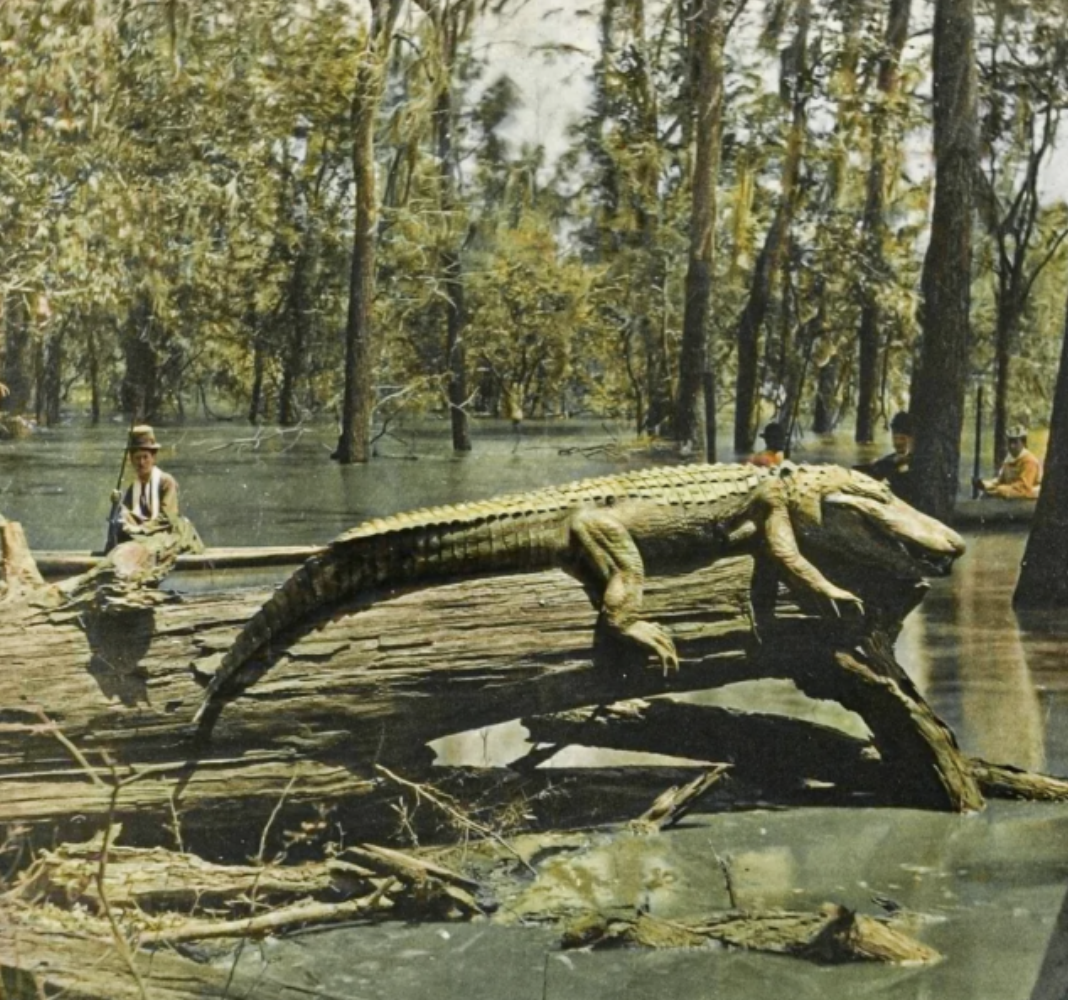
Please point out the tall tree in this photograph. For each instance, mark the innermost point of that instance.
(941, 380)
(1043, 580)
(451, 21)
(794, 88)
(358, 401)
(874, 219)
(707, 36)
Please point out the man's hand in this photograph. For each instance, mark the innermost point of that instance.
(116, 496)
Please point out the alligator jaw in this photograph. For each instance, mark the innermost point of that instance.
(926, 541)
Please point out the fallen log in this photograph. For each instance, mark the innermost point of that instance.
(98, 697)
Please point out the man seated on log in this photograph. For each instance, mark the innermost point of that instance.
(893, 469)
(149, 506)
(1020, 475)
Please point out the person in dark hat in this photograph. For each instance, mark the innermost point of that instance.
(1020, 475)
(774, 435)
(893, 469)
(150, 502)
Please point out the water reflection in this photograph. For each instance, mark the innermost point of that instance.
(965, 649)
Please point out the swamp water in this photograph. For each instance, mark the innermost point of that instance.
(984, 890)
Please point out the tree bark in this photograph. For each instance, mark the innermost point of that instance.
(897, 27)
(1043, 578)
(448, 26)
(18, 356)
(358, 401)
(941, 380)
(693, 356)
(747, 332)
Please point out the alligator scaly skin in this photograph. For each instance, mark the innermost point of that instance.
(512, 533)
(606, 532)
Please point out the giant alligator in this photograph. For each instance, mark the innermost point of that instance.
(608, 532)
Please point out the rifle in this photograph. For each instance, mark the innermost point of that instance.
(115, 517)
(977, 462)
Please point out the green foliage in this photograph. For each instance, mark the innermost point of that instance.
(176, 197)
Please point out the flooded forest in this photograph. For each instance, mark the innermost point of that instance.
(621, 449)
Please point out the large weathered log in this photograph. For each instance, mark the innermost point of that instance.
(95, 696)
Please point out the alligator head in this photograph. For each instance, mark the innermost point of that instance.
(866, 539)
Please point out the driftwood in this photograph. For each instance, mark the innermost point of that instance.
(97, 698)
(834, 935)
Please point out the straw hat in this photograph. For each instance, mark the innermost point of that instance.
(1017, 433)
(142, 438)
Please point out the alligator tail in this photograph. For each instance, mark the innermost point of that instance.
(443, 543)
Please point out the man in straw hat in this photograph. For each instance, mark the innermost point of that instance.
(1020, 473)
(150, 502)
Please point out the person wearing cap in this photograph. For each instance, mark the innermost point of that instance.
(1020, 475)
(774, 435)
(893, 469)
(150, 502)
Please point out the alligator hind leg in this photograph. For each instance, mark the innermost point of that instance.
(605, 558)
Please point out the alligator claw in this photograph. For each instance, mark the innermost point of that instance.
(657, 641)
(850, 601)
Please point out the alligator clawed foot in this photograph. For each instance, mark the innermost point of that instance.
(843, 600)
(657, 641)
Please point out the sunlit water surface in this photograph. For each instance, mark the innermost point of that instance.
(986, 889)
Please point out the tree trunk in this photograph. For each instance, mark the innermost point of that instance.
(649, 320)
(140, 379)
(825, 410)
(868, 335)
(795, 84)
(358, 401)
(1003, 338)
(693, 356)
(1043, 578)
(94, 377)
(18, 356)
(450, 259)
(259, 364)
(300, 317)
(940, 383)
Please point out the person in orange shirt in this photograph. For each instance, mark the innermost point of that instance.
(774, 435)
(1020, 476)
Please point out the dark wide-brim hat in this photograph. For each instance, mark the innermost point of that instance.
(774, 433)
(142, 438)
(901, 424)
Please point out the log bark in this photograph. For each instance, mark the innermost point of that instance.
(93, 699)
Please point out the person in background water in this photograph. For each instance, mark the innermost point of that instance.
(1020, 475)
(893, 469)
(150, 503)
(774, 435)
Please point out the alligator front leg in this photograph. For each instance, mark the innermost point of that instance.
(604, 556)
(798, 572)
